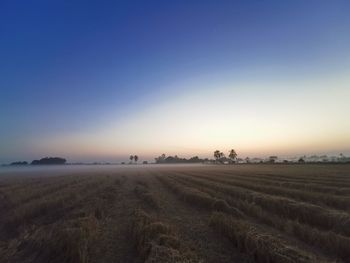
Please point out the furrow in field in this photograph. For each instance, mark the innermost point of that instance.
(142, 191)
(336, 245)
(259, 244)
(184, 192)
(323, 181)
(48, 208)
(157, 241)
(317, 216)
(330, 183)
(314, 187)
(67, 237)
(321, 177)
(198, 198)
(309, 172)
(21, 197)
(192, 225)
(331, 201)
(32, 183)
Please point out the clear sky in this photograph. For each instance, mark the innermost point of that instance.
(99, 80)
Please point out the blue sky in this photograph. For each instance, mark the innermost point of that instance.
(93, 80)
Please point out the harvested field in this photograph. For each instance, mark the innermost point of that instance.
(174, 213)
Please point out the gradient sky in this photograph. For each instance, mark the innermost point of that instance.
(99, 80)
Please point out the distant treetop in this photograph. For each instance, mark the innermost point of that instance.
(50, 160)
(19, 163)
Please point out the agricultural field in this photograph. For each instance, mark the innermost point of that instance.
(178, 213)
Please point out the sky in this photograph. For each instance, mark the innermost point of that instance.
(100, 80)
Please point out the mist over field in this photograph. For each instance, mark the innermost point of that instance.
(175, 131)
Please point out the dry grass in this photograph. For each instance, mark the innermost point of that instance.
(142, 191)
(66, 242)
(250, 213)
(339, 202)
(313, 215)
(258, 244)
(54, 223)
(199, 198)
(285, 183)
(336, 245)
(156, 241)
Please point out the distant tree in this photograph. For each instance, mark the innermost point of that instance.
(272, 159)
(176, 159)
(131, 158)
(19, 163)
(222, 157)
(49, 160)
(301, 160)
(145, 162)
(160, 159)
(232, 155)
(247, 160)
(195, 159)
(217, 155)
(136, 158)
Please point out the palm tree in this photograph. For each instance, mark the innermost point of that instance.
(136, 158)
(131, 158)
(232, 155)
(217, 155)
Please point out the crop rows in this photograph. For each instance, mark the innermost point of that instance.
(311, 187)
(59, 225)
(261, 245)
(338, 202)
(157, 241)
(313, 215)
(142, 192)
(198, 198)
(232, 213)
(329, 180)
(203, 199)
(334, 244)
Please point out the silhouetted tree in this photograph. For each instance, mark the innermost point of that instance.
(50, 160)
(136, 158)
(19, 163)
(217, 154)
(177, 159)
(232, 155)
(131, 158)
(272, 159)
(160, 159)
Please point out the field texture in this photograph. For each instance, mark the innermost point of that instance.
(233, 213)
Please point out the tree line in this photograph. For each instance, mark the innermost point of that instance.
(175, 159)
(221, 158)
